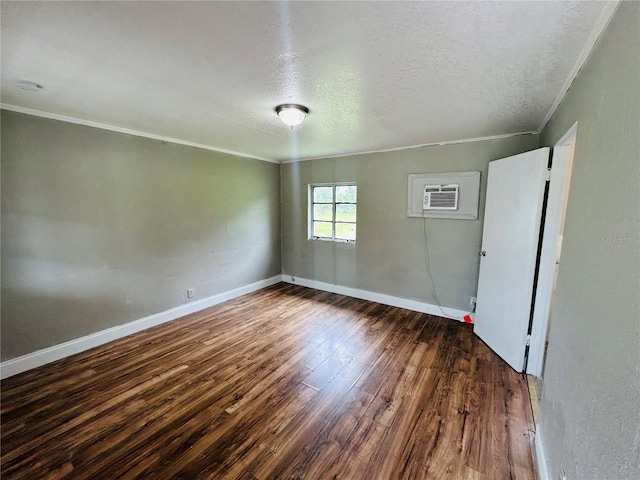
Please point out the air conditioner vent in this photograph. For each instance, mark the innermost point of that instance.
(441, 197)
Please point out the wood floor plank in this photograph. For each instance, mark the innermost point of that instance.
(287, 382)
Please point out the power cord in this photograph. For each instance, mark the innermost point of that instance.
(427, 265)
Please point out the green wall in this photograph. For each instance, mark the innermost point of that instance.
(590, 412)
(101, 228)
(388, 256)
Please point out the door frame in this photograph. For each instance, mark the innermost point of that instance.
(557, 209)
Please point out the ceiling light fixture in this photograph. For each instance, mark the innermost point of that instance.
(292, 114)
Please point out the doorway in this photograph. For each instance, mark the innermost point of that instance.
(551, 249)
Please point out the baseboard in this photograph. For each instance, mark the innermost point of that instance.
(541, 458)
(36, 359)
(29, 361)
(383, 298)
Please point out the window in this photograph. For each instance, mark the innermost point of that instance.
(333, 212)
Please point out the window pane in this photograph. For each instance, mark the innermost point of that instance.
(345, 213)
(323, 194)
(346, 231)
(322, 212)
(346, 193)
(322, 229)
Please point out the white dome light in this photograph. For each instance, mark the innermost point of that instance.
(292, 114)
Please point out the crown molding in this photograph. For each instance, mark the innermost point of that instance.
(600, 26)
(137, 133)
(411, 147)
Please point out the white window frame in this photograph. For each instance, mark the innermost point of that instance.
(333, 212)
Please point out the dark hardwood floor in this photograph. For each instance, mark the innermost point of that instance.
(287, 382)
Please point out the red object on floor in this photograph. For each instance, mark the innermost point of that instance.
(467, 319)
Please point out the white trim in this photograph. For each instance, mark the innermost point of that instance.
(29, 361)
(411, 147)
(415, 305)
(311, 202)
(569, 137)
(104, 126)
(601, 24)
(541, 459)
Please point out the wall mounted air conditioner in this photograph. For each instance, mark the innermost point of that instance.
(453, 195)
(440, 197)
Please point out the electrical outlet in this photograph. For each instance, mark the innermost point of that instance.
(472, 303)
(189, 292)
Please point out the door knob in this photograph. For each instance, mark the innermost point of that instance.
(483, 253)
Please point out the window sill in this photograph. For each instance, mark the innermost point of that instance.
(332, 240)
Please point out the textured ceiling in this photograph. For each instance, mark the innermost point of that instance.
(375, 75)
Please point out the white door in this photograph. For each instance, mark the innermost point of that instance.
(515, 193)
